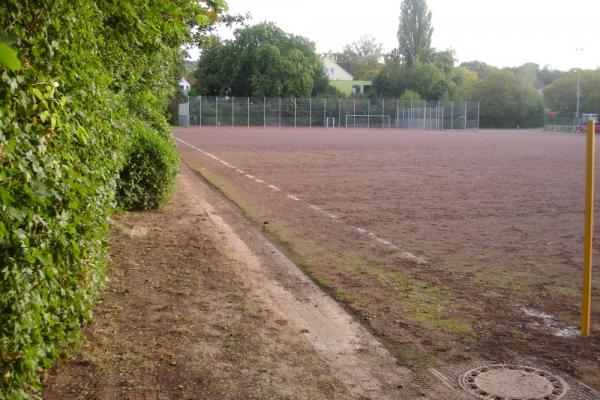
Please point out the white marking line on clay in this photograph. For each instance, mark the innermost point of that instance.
(404, 254)
(441, 377)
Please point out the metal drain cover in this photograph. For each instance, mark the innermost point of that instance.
(512, 382)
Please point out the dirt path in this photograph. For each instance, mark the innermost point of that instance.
(202, 307)
(179, 321)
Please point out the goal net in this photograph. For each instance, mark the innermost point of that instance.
(369, 121)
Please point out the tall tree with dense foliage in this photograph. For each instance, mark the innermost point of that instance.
(92, 80)
(561, 95)
(261, 60)
(507, 101)
(414, 31)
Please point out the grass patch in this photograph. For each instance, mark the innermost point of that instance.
(411, 354)
(499, 278)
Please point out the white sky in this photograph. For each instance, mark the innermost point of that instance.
(498, 32)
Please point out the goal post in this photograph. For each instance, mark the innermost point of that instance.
(330, 122)
(368, 120)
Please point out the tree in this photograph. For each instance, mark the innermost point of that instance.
(561, 96)
(506, 101)
(362, 57)
(415, 30)
(261, 60)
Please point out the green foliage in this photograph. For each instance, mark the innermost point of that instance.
(429, 80)
(8, 58)
(507, 101)
(410, 95)
(89, 72)
(561, 95)
(414, 31)
(261, 60)
(362, 57)
(148, 178)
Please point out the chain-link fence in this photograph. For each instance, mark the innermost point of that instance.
(322, 112)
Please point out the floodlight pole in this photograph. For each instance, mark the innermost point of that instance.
(588, 232)
(578, 95)
(578, 50)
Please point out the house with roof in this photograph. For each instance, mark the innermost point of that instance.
(185, 84)
(343, 80)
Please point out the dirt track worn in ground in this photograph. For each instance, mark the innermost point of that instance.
(196, 310)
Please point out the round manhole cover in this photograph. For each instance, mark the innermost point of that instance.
(512, 382)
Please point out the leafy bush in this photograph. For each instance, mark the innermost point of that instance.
(148, 177)
(86, 72)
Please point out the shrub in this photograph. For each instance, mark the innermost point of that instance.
(85, 71)
(148, 177)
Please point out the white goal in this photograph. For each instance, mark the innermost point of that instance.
(369, 121)
(330, 122)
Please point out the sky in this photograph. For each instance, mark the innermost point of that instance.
(503, 33)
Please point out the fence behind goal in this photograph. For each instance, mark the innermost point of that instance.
(322, 112)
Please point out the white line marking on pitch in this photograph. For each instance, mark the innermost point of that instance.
(441, 377)
(404, 254)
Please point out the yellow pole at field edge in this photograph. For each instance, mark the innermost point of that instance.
(586, 311)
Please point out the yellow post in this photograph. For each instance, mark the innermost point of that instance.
(589, 223)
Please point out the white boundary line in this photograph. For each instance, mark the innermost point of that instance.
(373, 236)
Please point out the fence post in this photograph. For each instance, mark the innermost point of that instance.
(295, 125)
(216, 110)
(339, 113)
(264, 112)
(248, 113)
(478, 104)
(382, 111)
(280, 112)
(354, 113)
(465, 115)
(368, 112)
(232, 105)
(397, 119)
(200, 120)
(310, 112)
(452, 115)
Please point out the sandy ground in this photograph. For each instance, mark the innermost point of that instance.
(453, 248)
(203, 308)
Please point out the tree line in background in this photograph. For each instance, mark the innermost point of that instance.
(263, 60)
(83, 90)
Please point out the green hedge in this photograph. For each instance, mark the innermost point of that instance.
(148, 177)
(79, 81)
